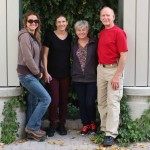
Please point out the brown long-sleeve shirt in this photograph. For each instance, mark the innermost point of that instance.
(29, 54)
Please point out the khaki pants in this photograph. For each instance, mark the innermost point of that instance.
(108, 100)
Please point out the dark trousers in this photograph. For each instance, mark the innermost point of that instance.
(86, 93)
(58, 89)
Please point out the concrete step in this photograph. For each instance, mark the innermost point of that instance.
(70, 124)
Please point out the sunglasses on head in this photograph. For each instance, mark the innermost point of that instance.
(31, 21)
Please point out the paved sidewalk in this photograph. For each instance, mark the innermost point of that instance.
(72, 141)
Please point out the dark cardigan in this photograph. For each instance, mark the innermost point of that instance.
(90, 73)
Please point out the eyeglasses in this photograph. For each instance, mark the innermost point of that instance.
(31, 21)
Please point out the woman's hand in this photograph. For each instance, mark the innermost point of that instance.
(41, 75)
(47, 78)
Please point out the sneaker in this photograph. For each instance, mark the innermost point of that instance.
(32, 137)
(38, 133)
(62, 130)
(51, 131)
(85, 130)
(93, 128)
(109, 141)
(43, 132)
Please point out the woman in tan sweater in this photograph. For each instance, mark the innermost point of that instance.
(30, 72)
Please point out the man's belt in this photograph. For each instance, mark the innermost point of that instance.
(109, 65)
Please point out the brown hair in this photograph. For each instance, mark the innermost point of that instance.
(59, 15)
(37, 34)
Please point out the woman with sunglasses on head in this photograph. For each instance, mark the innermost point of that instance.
(30, 71)
(56, 60)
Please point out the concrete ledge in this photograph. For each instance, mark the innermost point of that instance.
(5, 94)
(138, 91)
(70, 124)
(137, 99)
(10, 91)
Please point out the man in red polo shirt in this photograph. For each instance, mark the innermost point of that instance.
(112, 54)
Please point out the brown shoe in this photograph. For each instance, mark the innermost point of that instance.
(38, 133)
(43, 132)
(32, 137)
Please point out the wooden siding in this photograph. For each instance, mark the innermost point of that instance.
(3, 52)
(149, 48)
(136, 25)
(9, 26)
(129, 27)
(142, 43)
(12, 42)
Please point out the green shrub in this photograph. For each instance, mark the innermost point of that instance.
(73, 112)
(74, 10)
(130, 131)
(9, 125)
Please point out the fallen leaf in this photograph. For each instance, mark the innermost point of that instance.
(101, 148)
(141, 145)
(114, 147)
(85, 143)
(58, 142)
(21, 140)
(2, 145)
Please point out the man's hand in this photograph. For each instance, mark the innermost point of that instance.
(115, 82)
(116, 78)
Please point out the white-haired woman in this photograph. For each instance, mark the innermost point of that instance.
(84, 56)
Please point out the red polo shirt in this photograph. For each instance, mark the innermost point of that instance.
(111, 42)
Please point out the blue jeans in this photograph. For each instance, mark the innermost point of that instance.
(32, 102)
(37, 102)
(86, 93)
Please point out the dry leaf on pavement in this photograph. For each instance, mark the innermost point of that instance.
(58, 142)
(21, 140)
(111, 148)
(2, 145)
(141, 145)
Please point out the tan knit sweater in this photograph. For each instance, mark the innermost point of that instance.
(29, 54)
